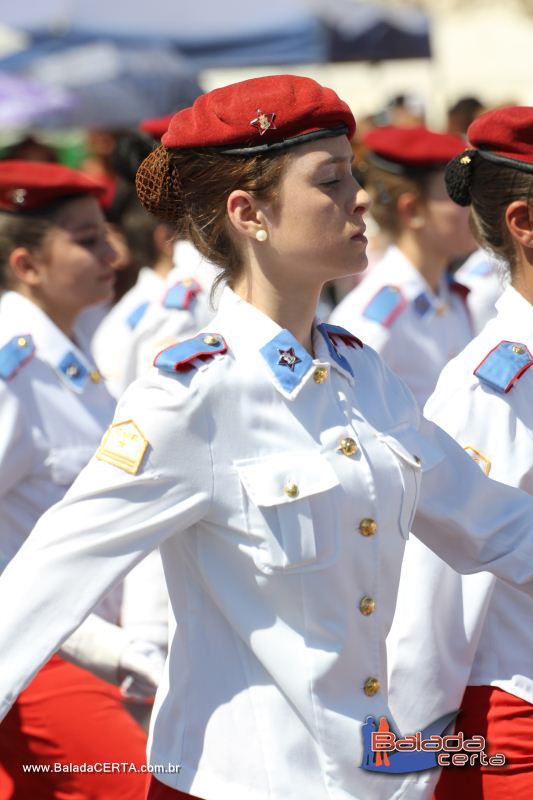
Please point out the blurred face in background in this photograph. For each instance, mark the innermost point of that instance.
(446, 229)
(74, 268)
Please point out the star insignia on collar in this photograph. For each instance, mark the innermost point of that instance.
(263, 122)
(288, 358)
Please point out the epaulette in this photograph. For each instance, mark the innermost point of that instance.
(504, 365)
(386, 305)
(332, 335)
(458, 288)
(136, 315)
(335, 332)
(182, 294)
(180, 357)
(13, 355)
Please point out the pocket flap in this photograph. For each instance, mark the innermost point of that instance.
(285, 477)
(413, 448)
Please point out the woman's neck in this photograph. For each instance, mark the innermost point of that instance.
(64, 319)
(291, 307)
(522, 275)
(430, 265)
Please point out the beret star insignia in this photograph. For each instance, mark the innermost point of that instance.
(263, 122)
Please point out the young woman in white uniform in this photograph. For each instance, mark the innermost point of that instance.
(55, 261)
(452, 631)
(278, 464)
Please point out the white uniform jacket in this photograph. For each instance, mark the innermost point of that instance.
(452, 630)
(181, 309)
(415, 331)
(54, 407)
(112, 337)
(485, 277)
(281, 489)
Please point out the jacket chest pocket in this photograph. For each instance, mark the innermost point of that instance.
(413, 455)
(67, 462)
(289, 507)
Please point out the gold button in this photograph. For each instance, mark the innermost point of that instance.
(517, 349)
(211, 339)
(367, 605)
(371, 687)
(368, 527)
(22, 342)
(348, 446)
(95, 376)
(442, 310)
(418, 460)
(187, 282)
(320, 375)
(72, 370)
(291, 489)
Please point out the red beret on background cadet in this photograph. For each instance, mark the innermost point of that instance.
(29, 186)
(413, 148)
(505, 132)
(156, 126)
(503, 136)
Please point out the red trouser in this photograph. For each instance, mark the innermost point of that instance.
(506, 722)
(69, 716)
(158, 791)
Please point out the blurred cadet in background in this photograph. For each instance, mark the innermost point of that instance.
(55, 260)
(408, 308)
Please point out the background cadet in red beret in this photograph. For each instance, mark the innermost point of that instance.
(55, 261)
(481, 636)
(407, 308)
(278, 464)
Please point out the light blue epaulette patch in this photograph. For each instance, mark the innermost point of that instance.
(181, 295)
(504, 365)
(385, 306)
(179, 357)
(133, 319)
(13, 355)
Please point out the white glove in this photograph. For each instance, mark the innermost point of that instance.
(140, 670)
(108, 651)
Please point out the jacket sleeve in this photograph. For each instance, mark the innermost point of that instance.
(472, 522)
(108, 520)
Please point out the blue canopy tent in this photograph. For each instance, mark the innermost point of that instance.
(235, 32)
(125, 61)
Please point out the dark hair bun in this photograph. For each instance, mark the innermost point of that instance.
(458, 177)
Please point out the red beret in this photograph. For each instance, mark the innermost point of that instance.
(31, 185)
(412, 148)
(156, 126)
(505, 135)
(260, 114)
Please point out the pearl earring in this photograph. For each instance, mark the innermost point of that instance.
(261, 235)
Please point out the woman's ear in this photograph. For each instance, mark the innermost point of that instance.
(24, 266)
(243, 212)
(519, 221)
(411, 211)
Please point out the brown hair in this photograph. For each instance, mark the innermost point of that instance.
(493, 188)
(190, 188)
(385, 189)
(20, 230)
